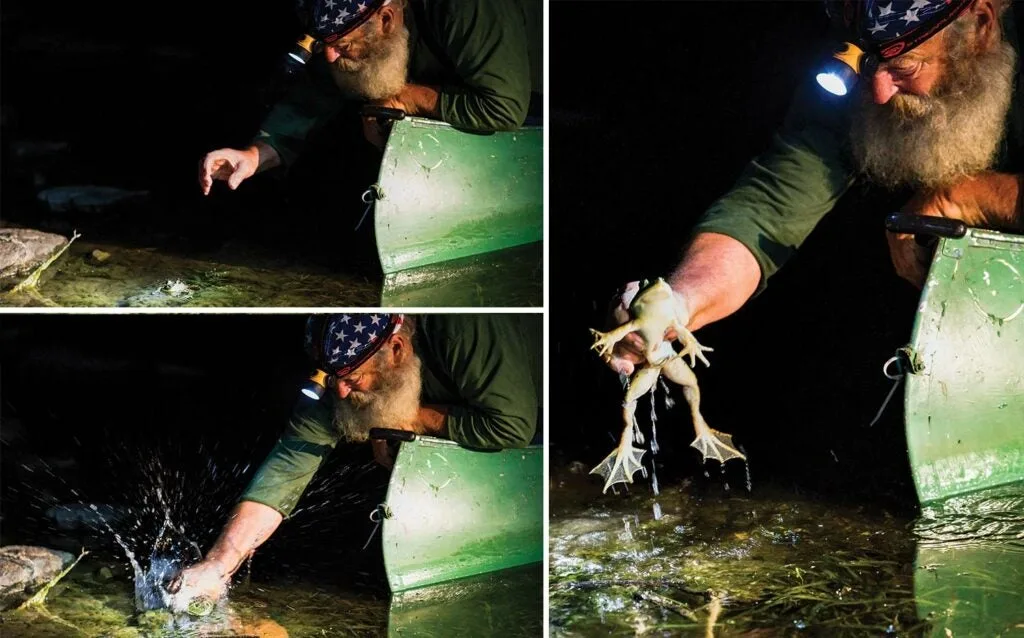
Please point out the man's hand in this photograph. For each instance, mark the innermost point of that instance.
(382, 454)
(207, 578)
(230, 165)
(628, 352)
(414, 99)
(988, 200)
(909, 258)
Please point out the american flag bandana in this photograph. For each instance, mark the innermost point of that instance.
(342, 343)
(894, 27)
(328, 20)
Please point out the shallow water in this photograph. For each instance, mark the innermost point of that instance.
(506, 603)
(82, 605)
(772, 562)
(244, 276)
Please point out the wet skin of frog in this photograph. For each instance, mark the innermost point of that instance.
(655, 311)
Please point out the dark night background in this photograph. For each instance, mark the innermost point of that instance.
(139, 93)
(103, 409)
(656, 109)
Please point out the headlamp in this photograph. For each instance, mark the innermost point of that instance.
(301, 53)
(315, 387)
(840, 73)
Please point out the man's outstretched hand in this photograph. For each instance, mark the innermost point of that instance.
(206, 579)
(228, 164)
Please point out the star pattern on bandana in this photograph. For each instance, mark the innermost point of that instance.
(350, 336)
(338, 13)
(889, 20)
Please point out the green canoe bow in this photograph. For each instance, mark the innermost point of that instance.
(452, 512)
(965, 405)
(445, 195)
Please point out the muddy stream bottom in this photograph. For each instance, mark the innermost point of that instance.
(773, 563)
(243, 275)
(506, 603)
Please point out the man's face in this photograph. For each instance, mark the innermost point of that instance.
(371, 62)
(936, 114)
(384, 392)
(916, 73)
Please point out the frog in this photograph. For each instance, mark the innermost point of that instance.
(655, 310)
(200, 606)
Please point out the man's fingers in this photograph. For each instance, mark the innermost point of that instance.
(235, 179)
(174, 586)
(620, 365)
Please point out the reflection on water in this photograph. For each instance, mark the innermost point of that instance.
(242, 276)
(508, 603)
(970, 563)
(773, 562)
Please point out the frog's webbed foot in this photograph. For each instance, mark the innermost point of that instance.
(620, 465)
(713, 444)
(603, 342)
(692, 347)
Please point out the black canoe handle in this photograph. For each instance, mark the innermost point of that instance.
(926, 229)
(382, 113)
(389, 434)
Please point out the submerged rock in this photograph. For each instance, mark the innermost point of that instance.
(26, 568)
(75, 516)
(89, 198)
(24, 249)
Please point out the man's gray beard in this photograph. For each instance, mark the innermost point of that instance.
(935, 141)
(394, 403)
(381, 74)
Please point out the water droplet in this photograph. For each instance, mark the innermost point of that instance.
(657, 511)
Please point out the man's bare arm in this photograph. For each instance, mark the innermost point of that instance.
(249, 526)
(716, 276)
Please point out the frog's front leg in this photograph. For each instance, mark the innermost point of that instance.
(624, 461)
(691, 347)
(605, 341)
(710, 443)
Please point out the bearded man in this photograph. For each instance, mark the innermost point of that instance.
(475, 64)
(939, 124)
(474, 379)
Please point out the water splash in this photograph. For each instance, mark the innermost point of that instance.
(746, 467)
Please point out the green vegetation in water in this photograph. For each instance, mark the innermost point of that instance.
(143, 277)
(83, 605)
(39, 598)
(243, 277)
(726, 564)
(30, 282)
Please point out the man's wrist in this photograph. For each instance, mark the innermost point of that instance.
(421, 100)
(225, 561)
(266, 156)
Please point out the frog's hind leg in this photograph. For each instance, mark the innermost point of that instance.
(625, 460)
(710, 443)
(605, 341)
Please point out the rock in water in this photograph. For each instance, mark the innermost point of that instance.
(89, 199)
(22, 250)
(25, 568)
(76, 516)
